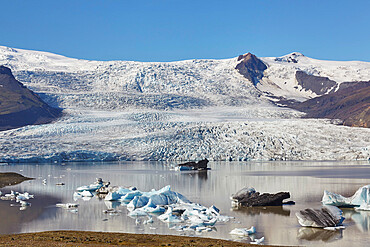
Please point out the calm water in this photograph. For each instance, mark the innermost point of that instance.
(306, 182)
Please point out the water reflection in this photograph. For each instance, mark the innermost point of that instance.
(279, 210)
(318, 234)
(13, 216)
(361, 218)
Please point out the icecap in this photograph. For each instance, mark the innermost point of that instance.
(170, 206)
(124, 110)
(243, 231)
(360, 200)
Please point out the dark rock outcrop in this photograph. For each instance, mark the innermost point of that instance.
(20, 106)
(350, 104)
(248, 197)
(200, 165)
(251, 67)
(11, 178)
(317, 84)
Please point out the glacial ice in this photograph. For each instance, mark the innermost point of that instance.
(327, 216)
(169, 206)
(122, 110)
(243, 231)
(360, 200)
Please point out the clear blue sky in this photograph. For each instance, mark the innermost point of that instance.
(168, 30)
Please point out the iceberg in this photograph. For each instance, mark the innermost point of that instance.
(360, 200)
(92, 187)
(170, 206)
(243, 231)
(327, 216)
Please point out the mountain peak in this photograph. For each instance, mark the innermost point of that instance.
(290, 58)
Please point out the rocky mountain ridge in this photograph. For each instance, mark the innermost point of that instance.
(19, 106)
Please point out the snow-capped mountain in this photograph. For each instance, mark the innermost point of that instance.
(182, 110)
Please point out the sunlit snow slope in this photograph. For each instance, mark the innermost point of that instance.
(183, 110)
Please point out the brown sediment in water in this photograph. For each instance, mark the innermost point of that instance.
(82, 238)
(11, 178)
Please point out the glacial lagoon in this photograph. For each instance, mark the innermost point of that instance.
(305, 181)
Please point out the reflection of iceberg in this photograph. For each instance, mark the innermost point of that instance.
(318, 234)
(360, 199)
(279, 210)
(361, 218)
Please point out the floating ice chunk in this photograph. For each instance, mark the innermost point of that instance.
(169, 217)
(24, 196)
(327, 216)
(1, 193)
(122, 194)
(12, 194)
(258, 241)
(149, 221)
(360, 198)
(24, 203)
(243, 231)
(67, 205)
(84, 193)
(92, 187)
(112, 211)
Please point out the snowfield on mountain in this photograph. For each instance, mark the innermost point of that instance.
(186, 110)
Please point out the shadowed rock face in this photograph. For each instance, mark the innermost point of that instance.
(317, 84)
(19, 106)
(251, 67)
(351, 104)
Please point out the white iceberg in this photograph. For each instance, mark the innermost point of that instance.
(23, 197)
(258, 241)
(360, 199)
(243, 231)
(84, 193)
(92, 187)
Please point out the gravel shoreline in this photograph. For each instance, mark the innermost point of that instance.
(82, 238)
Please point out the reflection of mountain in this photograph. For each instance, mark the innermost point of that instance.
(263, 210)
(318, 234)
(14, 217)
(361, 218)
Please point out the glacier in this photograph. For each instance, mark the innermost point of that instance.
(167, 111)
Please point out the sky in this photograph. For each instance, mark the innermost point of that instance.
(171, 30)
